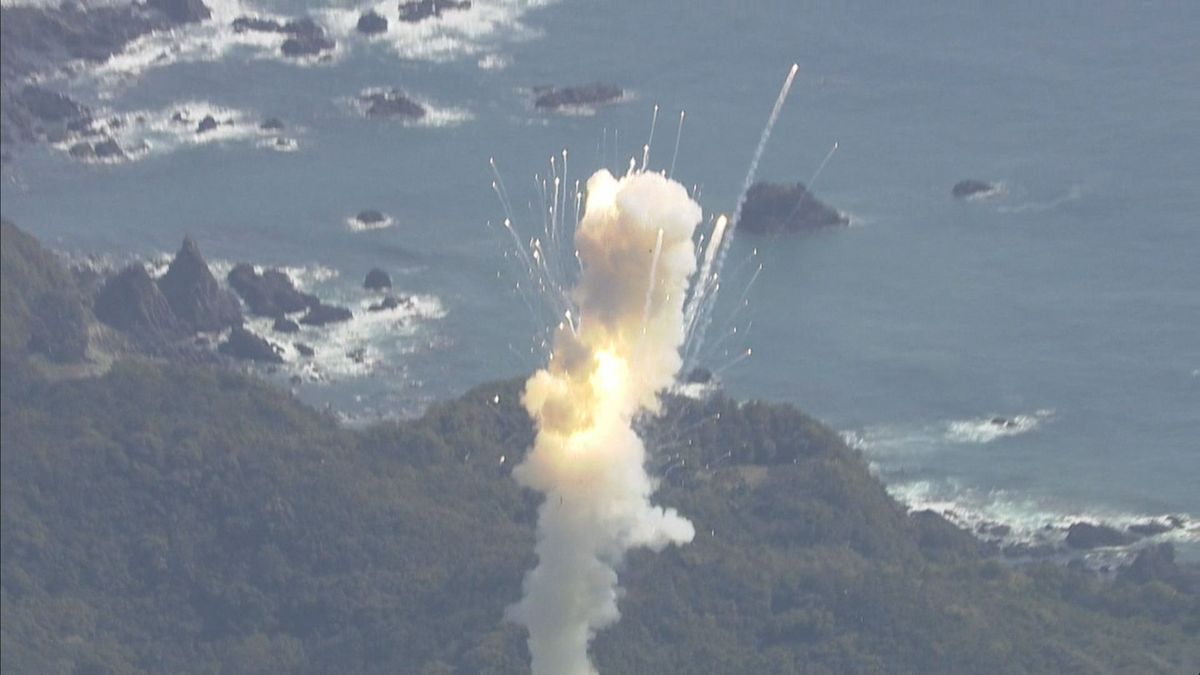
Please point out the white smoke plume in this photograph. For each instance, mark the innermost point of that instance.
(607, 366)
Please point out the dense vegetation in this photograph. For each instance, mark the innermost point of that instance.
(175, 518)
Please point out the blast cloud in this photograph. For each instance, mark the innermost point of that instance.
(637, 255)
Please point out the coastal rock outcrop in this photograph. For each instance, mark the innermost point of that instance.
(413, 11)
(777, 207)
(271, 293)
(377, 280)
(242, 344)
(195, 296)
(321, 314)
(305, 36)
(371, 23)
(130, 301)
(390, 103)
(554, 98)
(972, 189)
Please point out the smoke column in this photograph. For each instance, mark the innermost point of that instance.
(636, 253)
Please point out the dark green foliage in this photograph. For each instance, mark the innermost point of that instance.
(183, 519)
(43, 310)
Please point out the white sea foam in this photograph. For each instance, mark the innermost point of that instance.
(988, 429)
(1073, 194)
(356, 225)
(899, 441)
(1029, 521)
(493, 62)
(453, 35)
(144, 133)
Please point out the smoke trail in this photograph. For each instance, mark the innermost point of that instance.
(699, 308)
(587, 459)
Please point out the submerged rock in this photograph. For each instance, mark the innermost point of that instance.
(776, 207)
(1088, 535)
(553, 98)
(391, 103)
(242, 344)
(699, 375)
(371, 23)
(194, 294)
(271, 293)
(413, 11)
(972, 188)
(377, 280)
(303, 349)
(321, 314)
(285, 325)
(271, 124)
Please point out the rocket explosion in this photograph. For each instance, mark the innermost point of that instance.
(636, 253)
(616, 347)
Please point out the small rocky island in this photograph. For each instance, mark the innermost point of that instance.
(973, 189)
(305, 36)
(557, 98)
(780, 207)
(390, 103)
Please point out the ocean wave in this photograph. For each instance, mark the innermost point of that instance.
(453, 35)
(898, 441)
(143, 133)
(355, 225)
(1071, 195)
(357, 347)
(1023, 526)
(988, 429)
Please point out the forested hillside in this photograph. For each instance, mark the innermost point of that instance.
(172, 518)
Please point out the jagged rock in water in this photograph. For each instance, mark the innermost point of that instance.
(307, 38)
(132, 302)
(377, 280)
(1088, 535)
(972, 188)
(194, 295)
(413, 11)
(391, 103)
(285, 325)
(270, 293)
(371, 23)
(777, 207)
(242, 344)
(253, 23)
(303, 349)
(553, 98)
(105, 149)
(699, 375)
(321, 314)
(207, 124)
